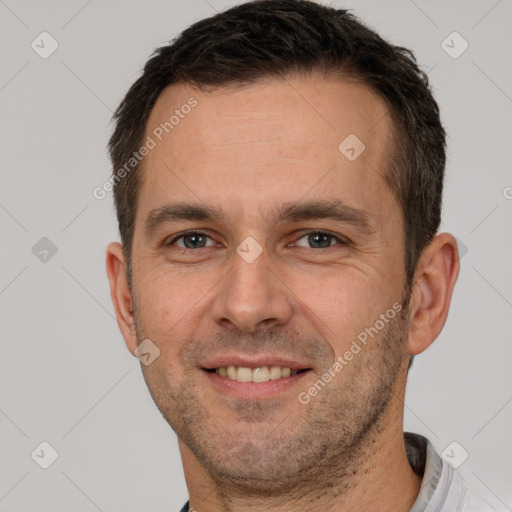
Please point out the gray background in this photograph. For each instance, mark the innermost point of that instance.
(65, 374)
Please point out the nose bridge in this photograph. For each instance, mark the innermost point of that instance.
(250, 293)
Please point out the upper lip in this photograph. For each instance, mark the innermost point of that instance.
(253, 361)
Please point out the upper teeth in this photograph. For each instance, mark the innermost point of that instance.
(261, 374)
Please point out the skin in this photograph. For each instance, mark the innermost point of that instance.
(244, 152)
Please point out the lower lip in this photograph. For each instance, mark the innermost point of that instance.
(254, 390)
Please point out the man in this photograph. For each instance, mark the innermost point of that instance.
(278, 173)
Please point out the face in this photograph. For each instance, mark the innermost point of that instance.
(261, 246)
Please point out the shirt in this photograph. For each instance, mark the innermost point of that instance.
(442, 488)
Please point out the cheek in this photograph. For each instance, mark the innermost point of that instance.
(163, 310)
(340, 306)
(167, 298)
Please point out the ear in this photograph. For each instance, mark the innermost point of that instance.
(434, 280)
(120, 293)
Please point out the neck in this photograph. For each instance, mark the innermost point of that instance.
(379, 478)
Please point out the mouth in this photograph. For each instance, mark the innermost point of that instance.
(259, 378)
(258, 374)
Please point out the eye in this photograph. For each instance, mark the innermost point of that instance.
(191, 240)
(320, 240)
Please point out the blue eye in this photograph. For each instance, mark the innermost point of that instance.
(321, 240)
(314, 240)
(192, 240)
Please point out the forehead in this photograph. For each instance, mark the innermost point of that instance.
(268, 138)
(314, 108)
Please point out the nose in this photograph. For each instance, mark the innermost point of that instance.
(252, 296)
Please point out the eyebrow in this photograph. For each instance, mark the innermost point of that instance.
(335, 210)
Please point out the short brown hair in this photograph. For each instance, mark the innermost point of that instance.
(276, 38)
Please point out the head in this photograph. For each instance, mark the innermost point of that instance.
(307, 155)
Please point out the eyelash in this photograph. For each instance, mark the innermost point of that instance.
(341, 241)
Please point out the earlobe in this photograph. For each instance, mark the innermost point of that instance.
(121, 294)
(435, 277)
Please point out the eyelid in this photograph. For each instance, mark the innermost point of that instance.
(339, 238)
(184, 234)
(342, 240)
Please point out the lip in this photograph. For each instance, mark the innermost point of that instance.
(253, 390)
(256, 361)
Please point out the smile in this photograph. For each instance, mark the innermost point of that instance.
(259, 374)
